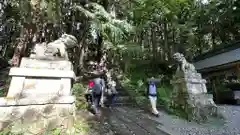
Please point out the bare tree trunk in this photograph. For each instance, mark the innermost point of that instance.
(83, 49)
(154, 43)
(165, 31)
(174, 42)
(213, 36)
(18, 52)
(160, 40)
(4, 50)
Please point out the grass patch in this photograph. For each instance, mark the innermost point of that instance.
(80, 127)
(79, 90)
(2, 92)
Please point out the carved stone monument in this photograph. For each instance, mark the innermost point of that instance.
(189, 92)
(56, 48)
(39, 96)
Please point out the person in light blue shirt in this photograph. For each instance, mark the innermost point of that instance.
(152, 95)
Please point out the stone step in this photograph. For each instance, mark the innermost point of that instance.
(124, 104)
(122, 93)
(122, 99)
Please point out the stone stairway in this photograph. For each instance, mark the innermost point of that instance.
(123, 98)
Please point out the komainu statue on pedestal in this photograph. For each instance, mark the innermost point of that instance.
(57, 48)
(184, 64)
(189, 93)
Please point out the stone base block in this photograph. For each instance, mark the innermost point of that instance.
(36, 100)
(34, 119)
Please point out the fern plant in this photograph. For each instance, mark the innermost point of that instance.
(114, 31)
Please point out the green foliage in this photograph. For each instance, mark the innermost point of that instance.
(143, 33)
(2, 92)
(80, 127)
(114, 31)
(79, 90)
(6, 131)
(136, 86)
(164, 95)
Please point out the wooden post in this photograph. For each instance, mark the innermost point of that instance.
(215, 89)
(238, 79)
(238, 72)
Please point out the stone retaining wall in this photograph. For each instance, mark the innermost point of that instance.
(37, 118)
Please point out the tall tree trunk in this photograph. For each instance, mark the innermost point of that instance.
(154, 43)
(213, 38)
(4, 50)
(19, 50)
(81, 58)
(165, 34)
(173, 41)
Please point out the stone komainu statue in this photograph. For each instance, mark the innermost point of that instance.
(56, 48)
(184, 65)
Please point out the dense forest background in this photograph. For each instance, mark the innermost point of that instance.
(134, 37)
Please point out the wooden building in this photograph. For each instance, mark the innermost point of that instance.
(221, 68)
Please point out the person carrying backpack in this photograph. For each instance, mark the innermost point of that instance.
(97, 93)
(152, 95)
(111, 92)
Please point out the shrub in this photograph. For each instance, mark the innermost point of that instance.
(79, 90)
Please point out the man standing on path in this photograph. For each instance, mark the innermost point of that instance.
(152, 95)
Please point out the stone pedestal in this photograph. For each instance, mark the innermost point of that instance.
(34, 119)
(190, 96)
(39, 97)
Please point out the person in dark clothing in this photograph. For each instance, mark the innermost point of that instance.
(96, 88)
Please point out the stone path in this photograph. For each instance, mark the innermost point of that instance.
(123, 122)
(134, 121)
(214, 127)
(94, 126)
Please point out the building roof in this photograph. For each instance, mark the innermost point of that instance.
(218, 50)
(219, 56)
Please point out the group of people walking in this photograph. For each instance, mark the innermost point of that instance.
(102, 91)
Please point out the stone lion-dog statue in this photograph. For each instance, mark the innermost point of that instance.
(184, 65)
(56, 48)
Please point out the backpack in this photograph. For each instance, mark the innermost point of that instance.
(99, 85)
(152, 90)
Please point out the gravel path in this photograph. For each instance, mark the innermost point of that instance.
(178, 126)
(133, 122)
(125, 120)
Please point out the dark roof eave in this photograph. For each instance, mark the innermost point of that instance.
(218, 67)
(218, 50)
